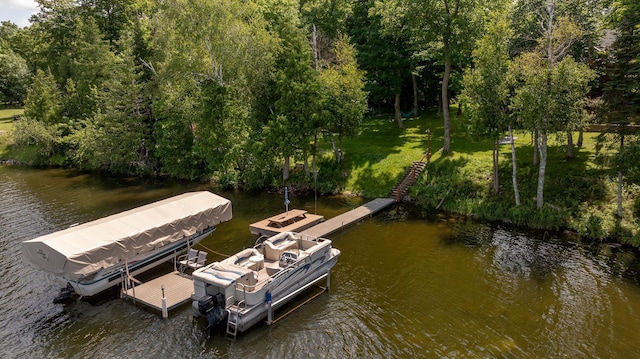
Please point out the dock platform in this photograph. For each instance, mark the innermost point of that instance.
(178, 288)
(331, 225)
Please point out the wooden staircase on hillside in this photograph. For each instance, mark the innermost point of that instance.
(410, 177)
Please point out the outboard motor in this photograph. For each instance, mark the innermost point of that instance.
(66, 295)
(213, 309)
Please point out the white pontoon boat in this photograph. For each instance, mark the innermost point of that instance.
(248, 286)
(92, 257)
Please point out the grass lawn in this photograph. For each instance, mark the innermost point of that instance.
(6, 126)
(579, 193)
(6, 118)
(379, 156)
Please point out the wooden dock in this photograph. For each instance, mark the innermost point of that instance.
(178, 288)
(331, 225)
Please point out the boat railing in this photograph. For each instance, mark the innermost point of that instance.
(244, 288)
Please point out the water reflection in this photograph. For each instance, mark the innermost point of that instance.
(403, 287)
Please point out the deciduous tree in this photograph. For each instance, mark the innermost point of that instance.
(552, 86)
(487, 92)
(447, 28)
(622, 91)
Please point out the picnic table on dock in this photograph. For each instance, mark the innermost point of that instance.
(293, 220)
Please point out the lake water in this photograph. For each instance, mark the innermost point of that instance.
(404, 287)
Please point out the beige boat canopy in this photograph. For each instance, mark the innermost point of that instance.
(82, 250)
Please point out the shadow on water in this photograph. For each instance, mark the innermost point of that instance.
(406, 285)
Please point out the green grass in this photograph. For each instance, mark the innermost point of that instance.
(373, 160)
(380, 155)
(6, 127)
(579, 193)
(6, 118)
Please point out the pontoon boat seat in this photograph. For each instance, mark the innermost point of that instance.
(240, 275)
(243, 258)
(274, 246)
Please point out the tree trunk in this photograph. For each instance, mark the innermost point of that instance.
(580, 138)
(285, 169)
(446, 147)
(414, 109)
(396, 107)
(542, 148)
(496, 179)
(620, 179)
(570, 154)
(536, 158)
(619, 194)
(335, 148)
(315, 47)
(313, 161)
(514, 176)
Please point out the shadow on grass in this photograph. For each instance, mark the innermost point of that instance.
(568, 182)
(461, 183)
(378, 157)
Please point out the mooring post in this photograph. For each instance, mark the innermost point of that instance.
(328, 279)
(269, 309)
(165, 312)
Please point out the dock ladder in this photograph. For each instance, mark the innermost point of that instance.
(232, 324)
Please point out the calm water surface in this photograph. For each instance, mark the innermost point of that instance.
(403, 288)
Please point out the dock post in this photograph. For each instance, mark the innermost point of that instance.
(123, 285)
(328, 279)
(165, 313)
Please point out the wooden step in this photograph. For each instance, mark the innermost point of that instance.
(410, 176)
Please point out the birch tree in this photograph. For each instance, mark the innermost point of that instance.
(216, 53)
(553, 86)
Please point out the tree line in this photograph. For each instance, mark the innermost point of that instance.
(239, 90)
(191, 89)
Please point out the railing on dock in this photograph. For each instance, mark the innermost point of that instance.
(163, 293)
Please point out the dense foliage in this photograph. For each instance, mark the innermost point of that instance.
(256, 93)
(226, 90)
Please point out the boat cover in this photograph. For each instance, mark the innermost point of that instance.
(82, 250)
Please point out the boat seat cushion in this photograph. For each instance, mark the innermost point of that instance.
(225, 274)
(273, 252)
(242, 258)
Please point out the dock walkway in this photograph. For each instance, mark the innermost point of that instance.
(331, 225)
(178, 288)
